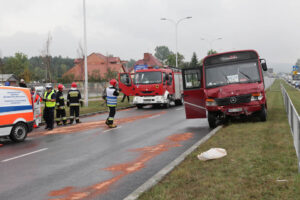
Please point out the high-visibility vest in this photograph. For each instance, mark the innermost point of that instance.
(49, 104)
(111, 100)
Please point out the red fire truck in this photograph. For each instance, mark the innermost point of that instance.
(228, 84)
(153, 86)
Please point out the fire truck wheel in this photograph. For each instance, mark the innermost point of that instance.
(212, 119)
(179, 102)
(167, 105)
(263, 114)
(18, 132)
(139, 106)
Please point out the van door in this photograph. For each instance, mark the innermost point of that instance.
(194, 96)
(125, 84)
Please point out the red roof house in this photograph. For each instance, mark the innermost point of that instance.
(96, 63)
(149, 60)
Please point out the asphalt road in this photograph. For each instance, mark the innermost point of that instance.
(90, 161)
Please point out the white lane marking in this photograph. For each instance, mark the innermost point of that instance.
(112, 129)
(179, 109)
(23, 155)
(154, 116)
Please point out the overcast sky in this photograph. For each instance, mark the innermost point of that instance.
(128, 28)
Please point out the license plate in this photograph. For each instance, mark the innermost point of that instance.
(235, 110)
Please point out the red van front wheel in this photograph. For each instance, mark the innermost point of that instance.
(263, 114)
(212, 119)
(18, 132)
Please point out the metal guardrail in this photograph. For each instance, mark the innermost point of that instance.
(294, 121)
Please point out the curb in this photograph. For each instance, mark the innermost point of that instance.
(163, 172)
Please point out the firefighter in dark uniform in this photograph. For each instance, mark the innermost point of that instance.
(111, 94)
(49, 99)
(74, 101)
(60, 107)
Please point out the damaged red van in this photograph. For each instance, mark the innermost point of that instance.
(227, 84)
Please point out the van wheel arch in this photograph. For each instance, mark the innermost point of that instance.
(19, 132)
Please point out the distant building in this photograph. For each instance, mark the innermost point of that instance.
(148, 61)
(270, 70)
(98, 65)
(10, 79)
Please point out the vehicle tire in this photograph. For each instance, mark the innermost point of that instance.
(167, 105)
(179, 102)
(139, 106)
(18, 132)
(212, 120)
(263, 114)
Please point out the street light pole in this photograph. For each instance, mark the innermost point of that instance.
(86, 93)
(176, 34)
(211, 42)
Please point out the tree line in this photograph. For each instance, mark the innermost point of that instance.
(167, 57)
(47, 68)
(34, 68)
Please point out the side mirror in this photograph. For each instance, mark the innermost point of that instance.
(263, 64)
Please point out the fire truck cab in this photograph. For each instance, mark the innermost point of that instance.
(153, 86)
(227, 84)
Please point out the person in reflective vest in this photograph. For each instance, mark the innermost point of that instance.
(49, 99)
(37, 112)
(60, 107)
(111, 94)
(73, 101)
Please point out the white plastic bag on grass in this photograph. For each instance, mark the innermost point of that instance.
(213, 153)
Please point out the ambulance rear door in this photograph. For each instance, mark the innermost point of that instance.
(194, 95)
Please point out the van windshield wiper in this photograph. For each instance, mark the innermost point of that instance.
(248, 77)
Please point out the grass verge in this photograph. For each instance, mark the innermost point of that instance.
(261, 163)
(294, 95)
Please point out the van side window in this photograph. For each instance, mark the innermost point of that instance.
(192, 78)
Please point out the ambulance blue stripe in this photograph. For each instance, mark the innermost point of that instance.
(15, 108)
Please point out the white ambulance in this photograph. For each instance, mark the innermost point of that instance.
(16, 113)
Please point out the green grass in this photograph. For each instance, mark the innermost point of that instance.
(294, 95)
(259, 154)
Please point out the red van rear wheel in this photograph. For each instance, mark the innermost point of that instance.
(18, 132)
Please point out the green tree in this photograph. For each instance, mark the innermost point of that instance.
(210, 52)
(130, 64)
(110, 74)
(171, 61)
(162, 53)
(194, 61)
(95, 76)
(16, 65)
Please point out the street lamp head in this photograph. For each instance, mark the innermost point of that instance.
(189, 17)
(219, 38)
(163, 18)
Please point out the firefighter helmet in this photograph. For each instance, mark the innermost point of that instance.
(60, 87)
(48, 86)
(113, 82)
(74, 85)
